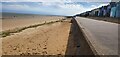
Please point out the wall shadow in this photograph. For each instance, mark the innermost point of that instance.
(77, 45)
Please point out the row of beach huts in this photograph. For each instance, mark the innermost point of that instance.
(110, 10)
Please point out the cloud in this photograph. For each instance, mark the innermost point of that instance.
(22, 7)
(58, 0)
(91, 0)
(97, 6)
(63, 8)
(103, 5)
(31, 1)
(53, 8)
(16, 7)
(72, 9)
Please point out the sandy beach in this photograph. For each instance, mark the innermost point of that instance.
(42, 40)
(62, 37)
(47, 39)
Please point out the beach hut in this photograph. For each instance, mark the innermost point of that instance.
(104, 11)
(90, 13)
(108, 10)
(112, 4)
(113, 9)
(82, 14)
(100, 13)
(95, 12)
(118, 10)
(113, 12)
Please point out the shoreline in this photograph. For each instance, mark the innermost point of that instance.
(19, 21)
(17, 30)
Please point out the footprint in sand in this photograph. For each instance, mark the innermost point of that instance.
(31, 41)
(44, 52)
(45, 48)
(39, 45)
(35, 53)
(22, 54)
(33, 49)
(45, 45)
(27, 53)
(5, 52)
(27, 48)
(15, 48)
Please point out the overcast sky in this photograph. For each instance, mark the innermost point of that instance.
(54, 7)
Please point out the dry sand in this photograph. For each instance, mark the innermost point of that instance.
(43, 40)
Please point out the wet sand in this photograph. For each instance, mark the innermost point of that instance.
(43, 40)
(18, 21)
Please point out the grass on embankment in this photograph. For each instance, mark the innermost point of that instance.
(17, 30)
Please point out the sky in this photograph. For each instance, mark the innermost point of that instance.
(54, 7)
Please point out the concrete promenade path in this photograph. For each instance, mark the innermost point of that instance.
(102, 35)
